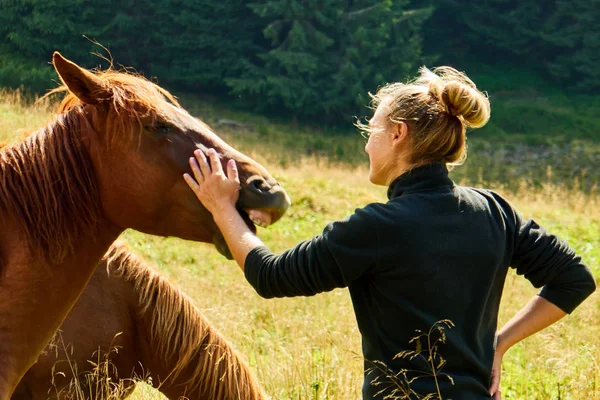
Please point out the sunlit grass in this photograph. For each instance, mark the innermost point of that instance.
(19, 116)
(309, 348)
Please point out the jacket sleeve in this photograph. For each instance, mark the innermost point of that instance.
(343, 252)
(550, 263)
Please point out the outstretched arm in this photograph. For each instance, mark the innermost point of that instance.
(331, 260)
(538, 314)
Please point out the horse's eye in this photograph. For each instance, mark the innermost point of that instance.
(161, 127)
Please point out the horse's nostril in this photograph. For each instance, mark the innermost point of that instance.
(259, 185)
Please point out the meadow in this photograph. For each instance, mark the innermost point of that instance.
(309, 348)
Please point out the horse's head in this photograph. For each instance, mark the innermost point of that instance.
(140, 141)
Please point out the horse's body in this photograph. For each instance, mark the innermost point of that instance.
(112, 159)
(157, 333)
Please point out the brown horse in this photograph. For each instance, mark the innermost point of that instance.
(163, 337)
(113, 158)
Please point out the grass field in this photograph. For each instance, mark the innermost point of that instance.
(309, 348)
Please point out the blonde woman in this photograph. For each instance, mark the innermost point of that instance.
(435, 251)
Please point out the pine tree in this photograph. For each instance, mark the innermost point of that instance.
(574, 34)
(559, 38)
(202, 42)
(193, 44)
(324, 56)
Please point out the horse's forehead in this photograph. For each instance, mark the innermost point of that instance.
(186, 122)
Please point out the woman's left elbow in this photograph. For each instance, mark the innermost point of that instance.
(590, 285)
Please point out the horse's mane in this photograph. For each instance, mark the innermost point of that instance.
(47, 183)
(180, 332)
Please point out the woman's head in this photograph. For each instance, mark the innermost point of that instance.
(423, 121)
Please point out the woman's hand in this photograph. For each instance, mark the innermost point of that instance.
(496, 375)
(217, 192)
(538, 314)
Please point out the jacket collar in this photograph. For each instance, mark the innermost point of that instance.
(426, 177)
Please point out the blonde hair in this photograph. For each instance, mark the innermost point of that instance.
(437, 106)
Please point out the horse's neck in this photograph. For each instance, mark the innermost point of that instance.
(27, 282)
(184, 354)
(36, 297)
(53, 235)
(215, 372)
(48, 184)
(49, 244)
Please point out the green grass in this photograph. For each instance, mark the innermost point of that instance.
(309, 348)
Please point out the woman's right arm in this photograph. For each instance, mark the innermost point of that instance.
(547, 262)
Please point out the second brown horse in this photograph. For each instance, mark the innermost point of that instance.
(132, 322)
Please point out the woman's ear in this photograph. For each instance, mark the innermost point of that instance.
(399, 133)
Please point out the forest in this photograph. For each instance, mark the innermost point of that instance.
(311, 60)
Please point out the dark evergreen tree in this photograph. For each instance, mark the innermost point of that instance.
(561, 39)
(30, 30)
(573, 33)
(194, 44)
(324, 56)
(203, 42)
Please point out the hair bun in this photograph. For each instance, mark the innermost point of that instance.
(464, 100)
(457, 94)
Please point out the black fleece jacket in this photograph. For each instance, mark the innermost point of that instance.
(435, 251)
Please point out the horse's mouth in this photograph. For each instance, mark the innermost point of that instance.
(262, 217)
(246, 217)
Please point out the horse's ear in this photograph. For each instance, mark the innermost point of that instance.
(81, 82)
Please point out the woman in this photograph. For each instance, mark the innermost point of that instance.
(435, 251)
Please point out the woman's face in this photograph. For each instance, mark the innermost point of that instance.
(379, 147)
